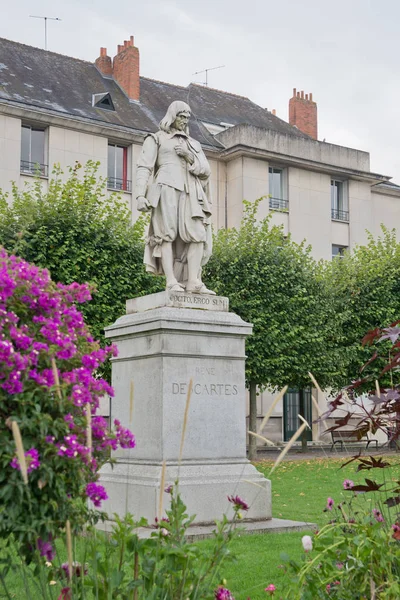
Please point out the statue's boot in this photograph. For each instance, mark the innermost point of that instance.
(175, 287)
(198, 287)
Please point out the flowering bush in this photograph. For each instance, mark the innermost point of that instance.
(48, 386)
(357, 555)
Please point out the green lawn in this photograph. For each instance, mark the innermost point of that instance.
(299, 491)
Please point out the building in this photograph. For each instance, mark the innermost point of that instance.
(58, 109)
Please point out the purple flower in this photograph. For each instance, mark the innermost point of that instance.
(330, 503)
(77, 569)
(238, 503)
(168, 489)
(46, 549)
(223, 594)
(125, 438)
(348, 484)
(32, 461)
(378, 515)
(96, 493)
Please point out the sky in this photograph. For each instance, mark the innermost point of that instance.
(345, 52)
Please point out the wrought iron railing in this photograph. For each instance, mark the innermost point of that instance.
(34, 168)
(340, 215)
(113, 183)
(278, 204)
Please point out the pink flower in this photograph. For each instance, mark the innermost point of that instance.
(223, 594)
(238, 503)
(378, 515)
(270, 589)
(330, 503)
(348, 484)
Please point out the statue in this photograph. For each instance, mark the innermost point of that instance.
(179, 242)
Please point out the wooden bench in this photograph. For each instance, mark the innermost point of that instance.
(340, 437)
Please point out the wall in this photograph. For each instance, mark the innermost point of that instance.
(10, 150)
(310, 210)
(385, 210)
(293, 146)
(67, 146)
(360, 212)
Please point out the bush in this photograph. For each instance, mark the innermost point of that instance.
(49, 392)
(81, 234)
(358, 554)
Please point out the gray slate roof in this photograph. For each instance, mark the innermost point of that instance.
(64, 85)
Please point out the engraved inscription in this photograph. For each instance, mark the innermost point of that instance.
(206, 389)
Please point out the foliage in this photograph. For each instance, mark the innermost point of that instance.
(275, 284)
(80, 233)
(122, 565)
(365, 289)
(358, 554)
(48, 389)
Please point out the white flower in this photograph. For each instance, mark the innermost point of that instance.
(307, 543)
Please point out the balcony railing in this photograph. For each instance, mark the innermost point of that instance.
(340, 215)
(33, 168)
(279, 204)
(124, 185)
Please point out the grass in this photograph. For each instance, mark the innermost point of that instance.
(300, 489)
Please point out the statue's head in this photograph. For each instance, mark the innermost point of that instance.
(177, 117)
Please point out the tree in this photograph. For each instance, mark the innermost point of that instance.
(80, 234)
(276, 285)
(365, 287)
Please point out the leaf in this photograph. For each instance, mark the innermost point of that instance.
(370, 337)
(394, 501)
(371, 486)
(372, 463)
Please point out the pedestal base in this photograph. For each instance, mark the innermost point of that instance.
(176, 348)
(134, 487)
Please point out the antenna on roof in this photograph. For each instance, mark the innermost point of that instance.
(45, 25)
(206, 72)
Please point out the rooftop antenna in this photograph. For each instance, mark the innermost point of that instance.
(45, 25)
(206, 72)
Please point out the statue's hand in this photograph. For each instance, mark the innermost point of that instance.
(142, 204)
(188, 156)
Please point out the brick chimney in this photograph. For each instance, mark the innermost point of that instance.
(125, 69)
(103, 63)
(303, 113)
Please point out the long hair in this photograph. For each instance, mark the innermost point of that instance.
(173, 111)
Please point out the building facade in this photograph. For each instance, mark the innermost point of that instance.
(56, 109)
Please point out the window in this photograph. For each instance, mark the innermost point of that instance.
(118, 168)
(277, 196)
(339, 200)
(33, 150)
(338, 251)
(103, 101)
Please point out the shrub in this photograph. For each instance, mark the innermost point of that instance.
(80, 233)
(357, 555)
(49, 392)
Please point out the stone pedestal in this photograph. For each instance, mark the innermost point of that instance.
(165, 341)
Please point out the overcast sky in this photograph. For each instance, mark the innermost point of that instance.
(345, 52)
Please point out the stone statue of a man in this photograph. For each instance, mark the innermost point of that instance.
(179, 240)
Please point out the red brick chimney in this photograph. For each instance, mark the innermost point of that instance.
(303, 113)
(126, 69)
(103, 63)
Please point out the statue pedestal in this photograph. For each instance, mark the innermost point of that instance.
(164, 341)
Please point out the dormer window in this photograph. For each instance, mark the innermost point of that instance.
(103, 101)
